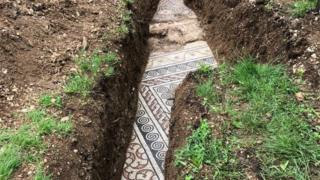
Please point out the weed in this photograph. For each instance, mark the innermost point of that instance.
(261, 104)
(127, 17)
(24, 137)
(79, 84)
(10, 159)
(203, 149)
(207, 91)
(301, 7)
(40, 174)
(46, 124)
(111, 58)
(109, 72)
(91, 64)
(50, 101)
(205, 70)
(123, 29)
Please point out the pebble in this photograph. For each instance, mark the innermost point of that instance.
(314, 56)
(299, 96)
(64, 119)
(4, 71)
(75, 150)
(310, 49)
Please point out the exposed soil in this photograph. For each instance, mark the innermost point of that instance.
(186, 115)
(38, 42)
(237, 27)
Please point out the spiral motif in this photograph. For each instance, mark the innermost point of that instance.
(143, 120)
(140, 113)
(147, 128)
(161, 155)
(152, 136)
(157, 146)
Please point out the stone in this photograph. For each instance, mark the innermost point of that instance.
(299, 96)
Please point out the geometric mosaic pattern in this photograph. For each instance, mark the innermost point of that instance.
(147, 150)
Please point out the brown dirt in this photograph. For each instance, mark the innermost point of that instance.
(187, 112)
(237, 27)
(38, 41)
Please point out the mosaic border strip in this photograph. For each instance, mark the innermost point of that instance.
(153, 115)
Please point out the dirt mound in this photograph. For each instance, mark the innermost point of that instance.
(187, 113)
(38, 42)
(238, 27)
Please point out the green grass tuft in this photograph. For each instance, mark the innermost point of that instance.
(40, 174)
(46, 124)
(50, 101)
(260, 103)
(301, 7)
(203, 149)
(24, 137)
(10, 159)
(79, 84)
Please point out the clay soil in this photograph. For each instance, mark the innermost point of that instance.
(38, 42)
(238, 28)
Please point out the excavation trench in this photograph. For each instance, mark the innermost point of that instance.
(121, 95)
(136, 120)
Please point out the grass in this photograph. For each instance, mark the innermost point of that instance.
(260, 103)
(46, 124)
(89, 69)
(300, 7)
(79, 84)
(10, 159)
(40, 174)
(205, 69)
(47, 100)
(203, 149)
(26, 143)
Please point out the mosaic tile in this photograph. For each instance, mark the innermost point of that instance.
(146, 153)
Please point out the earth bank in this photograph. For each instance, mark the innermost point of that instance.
(39, 42)
(237, 29)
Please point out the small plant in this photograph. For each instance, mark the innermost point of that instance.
(301, 7)
(10, 159)
(207, 91)
(203, 149)
(109, 72)
(123, 29)
(50, 101)
(46, 124)
(24, 138)
(205, 69)
(79, 84)
(40, 174)
(111, 58)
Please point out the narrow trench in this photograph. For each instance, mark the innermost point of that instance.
(177, 48)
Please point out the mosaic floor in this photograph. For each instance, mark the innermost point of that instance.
(146, 153)
(165, 70)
